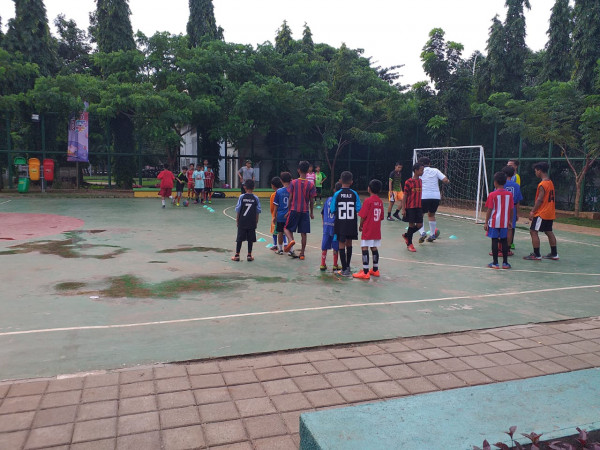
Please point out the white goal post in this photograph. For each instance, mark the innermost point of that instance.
(467, 191)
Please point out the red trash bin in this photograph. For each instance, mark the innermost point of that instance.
(48, 169)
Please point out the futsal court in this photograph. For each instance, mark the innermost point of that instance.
(91, 284)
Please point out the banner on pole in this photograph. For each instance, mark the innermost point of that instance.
(78, 138)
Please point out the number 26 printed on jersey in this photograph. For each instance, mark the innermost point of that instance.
(346, 211)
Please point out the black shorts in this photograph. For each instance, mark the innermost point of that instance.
(179, 189)
(319, 190)
(413, 215)
(198, 190)
(208, 190)
(279, 227)
(539, 224)
(246, 234)
(430, 205)
(345, 238)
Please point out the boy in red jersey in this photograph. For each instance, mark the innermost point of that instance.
(411, 206)
(209, 181)
(498, 219)
(371, 215)
(302, 199)
(166, 178)
(190, 176)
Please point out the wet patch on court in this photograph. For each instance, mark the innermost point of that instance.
(131, 286)
(195, 249)
(73, 247)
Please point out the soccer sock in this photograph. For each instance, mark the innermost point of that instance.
(274, 240)
(343, 258)
(504, 243)
(365, 258)
(432, 225)
(536, 251)
(238, 247)
(163, 202)
(250, 245)
(375, 260)
(348, 255)
(553, 250)
(335, 258)
(389, 213)
(410, 232)
(422, 230)
(495, 250)
(323, 257)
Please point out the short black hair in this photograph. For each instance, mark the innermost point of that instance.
(286, 177)
(417, 166)
(346, 177)
(542, 166)
(191, 164)
(398, 163)
(166, 167)
(249, 184)
(276, 181)
(509, 171)
(500, 178)
(514, 161)
(338, 186)
(375, 186)
(303, 166)
(424, 160)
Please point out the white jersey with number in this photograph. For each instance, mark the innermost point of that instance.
(431, 183)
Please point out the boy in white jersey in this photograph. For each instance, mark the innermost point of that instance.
(430, 198)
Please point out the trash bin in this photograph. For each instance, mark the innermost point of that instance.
(34, 169)
(23, 185)
(48, 168)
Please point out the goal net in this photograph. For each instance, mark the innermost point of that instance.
(467, 191)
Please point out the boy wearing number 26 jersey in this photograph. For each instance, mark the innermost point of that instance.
(345, 205)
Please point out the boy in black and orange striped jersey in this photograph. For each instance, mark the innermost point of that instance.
(412, 211)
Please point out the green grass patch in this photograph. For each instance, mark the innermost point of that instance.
(68, 248)
(195, 249)
(69, 286)
(580, 221)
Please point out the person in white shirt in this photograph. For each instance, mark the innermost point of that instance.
(430, 198)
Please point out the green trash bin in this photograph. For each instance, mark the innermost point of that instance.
(23, 185)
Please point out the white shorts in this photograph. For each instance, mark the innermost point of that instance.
(371, 243)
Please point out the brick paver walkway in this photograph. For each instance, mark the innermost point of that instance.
(255, 402)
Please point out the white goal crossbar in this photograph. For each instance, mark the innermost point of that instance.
(467, 191)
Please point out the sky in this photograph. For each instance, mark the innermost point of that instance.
(391, 32)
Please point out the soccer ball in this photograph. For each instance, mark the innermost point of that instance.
(185, 203)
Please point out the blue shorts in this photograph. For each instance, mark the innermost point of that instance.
(497, 233)
(298, 221)
(328, 243)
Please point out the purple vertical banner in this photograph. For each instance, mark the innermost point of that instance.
(78, 138)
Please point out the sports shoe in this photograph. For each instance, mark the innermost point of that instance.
(235, 257)
(396, 215)
(274, 248)
(292, 254)
(431, 239)
(405, 238)
(391, 219)
(532, 257)
(345, 273)
(506, 266)
(374, 273)
(279, 252)
(436, 233)
(422, 238)
(411, 248)
(499, 254)
(210, 202)
(509, 253)
(336, 268)
(250, 257)
(289, 246)
(323, 268)
(493, 266)
(163, 206)
(512, 246)
(551, 256)
(362, 275)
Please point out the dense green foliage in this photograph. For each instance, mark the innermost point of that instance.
(558, 62)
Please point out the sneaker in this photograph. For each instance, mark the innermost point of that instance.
(436, 233)
(250, 257)
(512, 246)
(493, 266)
(336, 268)
(405, 238)
(292, 254)
(279, 252)
(411, 248)
(551, 256)
(177, 204)
(431, 239)
(396, 215)
(362, 275)
(323, 268)
(345, 273)
(163, 206)
(374, 273)
(506, 266)
(210, 202)
(273, 248)
(532, 257)
(289, 246)
(499, 254)
(422, 238)
(509, 253)
(391, 219)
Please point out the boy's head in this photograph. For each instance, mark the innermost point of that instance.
(310, 168)
(499, 179)
(206, 162)
(276, 183)
(424, 160)
(509, 171)
(248, 163)
(317, 168)
(303, 167)
(286, 177)
(398, 166)
(338, 186)
(208, 167)
(249, 185)
(346, 178)
(418, 169)
(375, 187)
(166, 167)
(513, 163)
(191, 165)
(541, 169)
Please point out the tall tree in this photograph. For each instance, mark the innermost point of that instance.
(516, 51)
(1, 32)
(201, 23)
(308, 46)
(495, 57)
(29, 34)
(586, 42)
(114, 32)
(73, 47)
(284, 42)
(558, 63)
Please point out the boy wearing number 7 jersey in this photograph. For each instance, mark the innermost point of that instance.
(248, 211)
(345, 205)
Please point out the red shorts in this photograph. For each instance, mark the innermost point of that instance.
(165, 192)
(190, 185)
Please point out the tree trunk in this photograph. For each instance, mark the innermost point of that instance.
(578, 183)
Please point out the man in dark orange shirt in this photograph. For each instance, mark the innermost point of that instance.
(542, 214)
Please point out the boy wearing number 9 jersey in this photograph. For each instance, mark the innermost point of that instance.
(345, 205)
(371, 215)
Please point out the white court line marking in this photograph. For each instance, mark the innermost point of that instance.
(297, 310)
(459, 266)
(7, 201)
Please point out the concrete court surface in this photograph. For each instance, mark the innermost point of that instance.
(136, 284)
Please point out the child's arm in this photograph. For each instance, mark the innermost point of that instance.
(312, 205)
(275, 208)
(488, 214)
(538, 202)
(362, 219)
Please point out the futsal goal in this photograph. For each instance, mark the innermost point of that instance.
(467, 191)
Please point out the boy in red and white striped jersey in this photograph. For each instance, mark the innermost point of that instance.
(498, 219)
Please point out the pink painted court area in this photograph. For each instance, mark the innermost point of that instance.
(22, 226)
